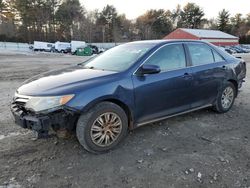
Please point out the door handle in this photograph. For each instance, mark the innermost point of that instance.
(224, 67)
(187, 76)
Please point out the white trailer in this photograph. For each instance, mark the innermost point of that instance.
(77, 44)
(62, 46)
(43, 46)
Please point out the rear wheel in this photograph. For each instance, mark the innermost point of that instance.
(102, 128)
(225, 99)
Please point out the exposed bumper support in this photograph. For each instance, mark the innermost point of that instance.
(41, 123)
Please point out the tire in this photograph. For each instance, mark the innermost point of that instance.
(221, 106)
(88, 127)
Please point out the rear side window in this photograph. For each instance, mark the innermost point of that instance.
(169, 57)
(200, 54)
(217, 57)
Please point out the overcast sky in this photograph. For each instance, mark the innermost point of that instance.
(134, 8)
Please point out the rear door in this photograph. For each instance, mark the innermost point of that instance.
(208, 72)
(167, 92)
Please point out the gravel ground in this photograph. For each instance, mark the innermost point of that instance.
(199, 149)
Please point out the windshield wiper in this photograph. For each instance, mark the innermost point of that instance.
(86, 67)
(90, 67)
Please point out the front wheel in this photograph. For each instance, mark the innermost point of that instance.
(102, 128)
(225, 99)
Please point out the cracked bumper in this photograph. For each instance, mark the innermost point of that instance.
(38, 124)
(59, 119)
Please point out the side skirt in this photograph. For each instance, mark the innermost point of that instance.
(173, 115)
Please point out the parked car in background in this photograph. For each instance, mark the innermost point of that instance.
(42, 46)
(238, 49)
(246, 48)
(62, 47)
(101, 50)
(95, 49)
(230, 51)
(129, 86)
(242, 48)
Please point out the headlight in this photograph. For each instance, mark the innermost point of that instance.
(44, 103)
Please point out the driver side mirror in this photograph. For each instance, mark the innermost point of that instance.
(148, 69)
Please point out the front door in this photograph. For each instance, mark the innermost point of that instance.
(167, 92)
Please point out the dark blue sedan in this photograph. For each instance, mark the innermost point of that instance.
(128, 86)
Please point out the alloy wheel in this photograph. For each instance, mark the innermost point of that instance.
(227, 97)
(106, 129)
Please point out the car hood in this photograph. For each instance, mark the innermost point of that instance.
(63, 81)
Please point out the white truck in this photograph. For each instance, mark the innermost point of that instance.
(77, 44)
(43, 46)
(62, 47)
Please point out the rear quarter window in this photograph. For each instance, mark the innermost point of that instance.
(217, 57)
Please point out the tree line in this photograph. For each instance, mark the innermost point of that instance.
(65, 20)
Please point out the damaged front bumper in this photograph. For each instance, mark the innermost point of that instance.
(62, 118)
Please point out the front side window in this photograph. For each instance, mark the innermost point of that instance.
(169, 57)
(200, 54)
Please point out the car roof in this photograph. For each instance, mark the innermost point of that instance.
(165, 41)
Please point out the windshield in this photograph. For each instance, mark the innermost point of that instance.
(119, 58)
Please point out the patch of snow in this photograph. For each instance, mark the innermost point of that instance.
(12, 134)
